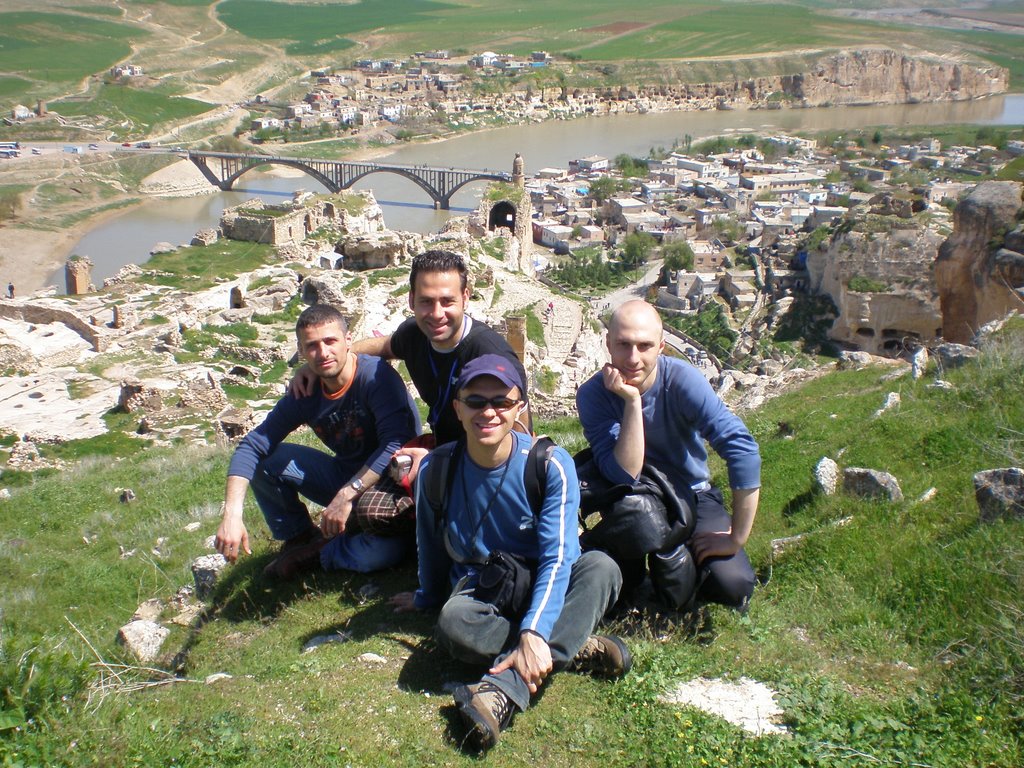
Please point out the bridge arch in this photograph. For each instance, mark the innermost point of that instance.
(229, 182)
(439, 183)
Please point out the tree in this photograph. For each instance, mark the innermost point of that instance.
(678, 255)
(636, 247)
(602, 188)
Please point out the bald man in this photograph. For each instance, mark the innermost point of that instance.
(646, 407)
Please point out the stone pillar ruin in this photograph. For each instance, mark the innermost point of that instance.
(516, 335)
(518, 177)
(77, 275)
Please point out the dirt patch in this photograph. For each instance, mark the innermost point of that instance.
(618, 27)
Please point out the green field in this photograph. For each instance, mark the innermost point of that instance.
(53, 47)
(143, 109)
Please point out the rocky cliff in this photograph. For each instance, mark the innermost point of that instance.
(871, 76)
(979, 271)
(894, 302)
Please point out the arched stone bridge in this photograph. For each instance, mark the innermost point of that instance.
(223, 168)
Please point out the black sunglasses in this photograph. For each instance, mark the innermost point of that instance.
(479, 402)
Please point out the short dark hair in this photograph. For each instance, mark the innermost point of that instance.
(439, 261)
(320, 314)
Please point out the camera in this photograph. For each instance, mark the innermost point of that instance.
(399, 467)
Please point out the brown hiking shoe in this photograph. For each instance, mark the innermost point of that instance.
(297, 556)
(486, 711)
(603, 655)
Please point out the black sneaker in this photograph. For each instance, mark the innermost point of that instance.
(486, 711)
(603, 655)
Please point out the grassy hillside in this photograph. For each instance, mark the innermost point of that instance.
(894, 638)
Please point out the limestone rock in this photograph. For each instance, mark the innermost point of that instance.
(974, 284)
(906, 313)
(234, 424)
(162, 247)
(1000, 493)
(149, 610)
(125, 317)
(205, 237)
(377, 249)
(919, 363)
(871, 484)
(826, 475)
(203, 393)
(854, 359)
(329, 288)
(261, 355)
(136, 396)
(125, 274)
(954, 355)
(143, 639)
(205, 571)
(891, 401)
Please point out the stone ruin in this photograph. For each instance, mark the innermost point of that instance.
(77, 275)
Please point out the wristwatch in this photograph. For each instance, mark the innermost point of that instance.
(357, 485)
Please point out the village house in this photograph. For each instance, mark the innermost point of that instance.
(737, 287)
(707, 257)
(591, 164)
(126, 70)
(619, 206)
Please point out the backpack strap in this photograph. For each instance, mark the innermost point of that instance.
(535, 473)
(443, 464)
(438, 476)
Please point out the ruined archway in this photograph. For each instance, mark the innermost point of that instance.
(502, 214)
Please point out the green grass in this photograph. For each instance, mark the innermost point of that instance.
(141, 108)
(198, 267)
(316, 29)
(896, 635)
(41, 46)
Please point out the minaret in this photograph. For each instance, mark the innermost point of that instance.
(517, 171)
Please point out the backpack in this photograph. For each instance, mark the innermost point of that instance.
(441, 470)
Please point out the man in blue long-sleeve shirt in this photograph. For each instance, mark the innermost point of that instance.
(646, 407)
(486, 509)
(363, 413)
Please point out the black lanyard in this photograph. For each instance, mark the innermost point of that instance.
(494, 496)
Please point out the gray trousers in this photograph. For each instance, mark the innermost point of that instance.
(474, 632)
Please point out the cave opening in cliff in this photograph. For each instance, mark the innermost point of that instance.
(503, 214)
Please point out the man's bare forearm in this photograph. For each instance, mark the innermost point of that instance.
(378, 346)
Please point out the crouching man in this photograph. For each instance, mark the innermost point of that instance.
(361, 410)
(484, 515)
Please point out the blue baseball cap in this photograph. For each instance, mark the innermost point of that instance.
(490, 365)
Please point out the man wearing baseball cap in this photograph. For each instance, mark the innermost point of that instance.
(486, 515)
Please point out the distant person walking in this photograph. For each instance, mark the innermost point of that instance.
(10, 290)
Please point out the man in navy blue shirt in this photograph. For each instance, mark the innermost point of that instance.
(360, 410)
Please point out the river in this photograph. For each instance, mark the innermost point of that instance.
(129, 237)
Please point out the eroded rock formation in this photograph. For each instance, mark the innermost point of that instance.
(978, 273)
(901, 306)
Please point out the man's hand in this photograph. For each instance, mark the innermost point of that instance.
(303, 383)
(417, 454)
(403, 602)
(713, 544)
(615, 384)
(335, 515)
(232, 537)
(531, 659)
